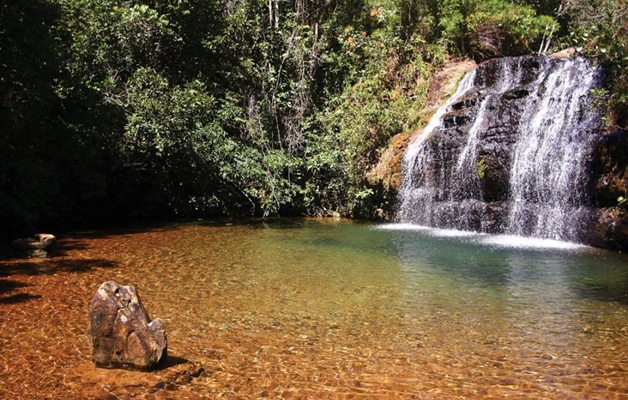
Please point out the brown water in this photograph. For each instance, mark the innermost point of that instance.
(315, 310)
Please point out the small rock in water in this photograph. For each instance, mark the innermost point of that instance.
(120, 332)
(35, 246)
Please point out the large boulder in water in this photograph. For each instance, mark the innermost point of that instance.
(120, 331)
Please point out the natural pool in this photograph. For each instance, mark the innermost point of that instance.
(318, 309)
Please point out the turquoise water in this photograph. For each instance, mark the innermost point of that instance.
(534, 311)
(321, 309)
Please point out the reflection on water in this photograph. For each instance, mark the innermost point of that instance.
(306, 309)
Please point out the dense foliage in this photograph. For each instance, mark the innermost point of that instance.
(599, 29)
(122, 109)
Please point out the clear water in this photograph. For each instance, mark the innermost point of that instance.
(310, 309)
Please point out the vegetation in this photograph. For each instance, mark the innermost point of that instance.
(131, 109)
(599, 29)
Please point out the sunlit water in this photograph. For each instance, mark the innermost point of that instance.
(308, 309)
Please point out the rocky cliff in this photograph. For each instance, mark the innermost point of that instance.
(519, 149)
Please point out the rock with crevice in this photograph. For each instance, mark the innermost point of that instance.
(121, 333)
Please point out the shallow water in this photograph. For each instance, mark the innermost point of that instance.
(311, 309)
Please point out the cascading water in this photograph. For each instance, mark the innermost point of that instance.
(547, 174)
(508, 151)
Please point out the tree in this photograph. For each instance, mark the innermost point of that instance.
(485, 29)
(599, 30)
(30, 187)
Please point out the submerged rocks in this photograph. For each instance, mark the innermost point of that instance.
(120, 331)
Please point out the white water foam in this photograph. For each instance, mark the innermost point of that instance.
(437, 232)
(524, 242)
(505, 241)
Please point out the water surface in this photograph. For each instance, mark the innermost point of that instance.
(310, 309)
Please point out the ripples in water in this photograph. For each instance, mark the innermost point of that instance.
(307, 309)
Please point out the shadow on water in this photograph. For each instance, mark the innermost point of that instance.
(57, 262)
(611, 292)
(17, 262)
(75, 240)
(7, 286)
(59, 259)
(171, 361)
(19, 298)
(52, 266)
(43, 267)
(605, 281)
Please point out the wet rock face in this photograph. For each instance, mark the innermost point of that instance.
(609, 167)
(611, 229)
(518, 150)
(120, 331)
(475, 195)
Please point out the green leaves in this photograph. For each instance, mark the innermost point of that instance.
(110, 39)
(598, 30)
(204, 107)
(485, 29)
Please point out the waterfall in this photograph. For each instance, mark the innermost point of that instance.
(508, 151)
